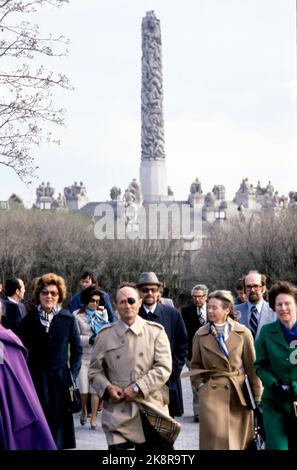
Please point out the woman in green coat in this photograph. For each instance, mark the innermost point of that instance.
(276, 365)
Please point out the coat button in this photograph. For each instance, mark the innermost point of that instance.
(118, 357)
(140, 334)
(141, 354)
(123, 341)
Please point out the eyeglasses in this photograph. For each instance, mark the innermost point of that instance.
(146, 290)
(94, 301)
(53, 293)
(199, 296)
(253, 286)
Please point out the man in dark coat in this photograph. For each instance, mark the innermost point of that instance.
(22, 422)
(195, 316)
(149, 288)
(14, 309)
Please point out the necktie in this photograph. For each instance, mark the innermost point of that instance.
(200, 316)
(254, 320)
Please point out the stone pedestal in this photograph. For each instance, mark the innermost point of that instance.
(153, 180)
(75, 203)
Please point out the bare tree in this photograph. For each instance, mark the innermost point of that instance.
(26, 90)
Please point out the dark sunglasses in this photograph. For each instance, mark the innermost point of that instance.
(53, 293)
(146, 290)
(94, 301)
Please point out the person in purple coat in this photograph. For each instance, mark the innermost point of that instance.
(22, 422)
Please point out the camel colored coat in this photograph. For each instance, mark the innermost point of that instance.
(124, 355)
(225, 422)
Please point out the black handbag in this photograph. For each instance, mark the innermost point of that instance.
(248, 394)
(74, 396)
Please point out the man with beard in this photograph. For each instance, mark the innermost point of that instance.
(172, 321)
(255, 312)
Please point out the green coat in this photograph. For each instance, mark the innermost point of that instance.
(275, 362)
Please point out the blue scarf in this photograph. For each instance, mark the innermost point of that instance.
(96, 320)
(289, 334)
(220, 337)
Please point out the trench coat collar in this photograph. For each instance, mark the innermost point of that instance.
(121, 327)
(277, 334)
(232, 342)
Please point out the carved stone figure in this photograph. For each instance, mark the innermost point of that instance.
(209, 200)
(40, 191)
(169, 191)
(269, 189)
(196, 187)
(49, 190)
(135, 191)
(115, 193)
(61, 201)
(219, 191)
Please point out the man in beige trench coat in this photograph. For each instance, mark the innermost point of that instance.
(130, 365)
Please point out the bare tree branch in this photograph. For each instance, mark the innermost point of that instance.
(25, 92)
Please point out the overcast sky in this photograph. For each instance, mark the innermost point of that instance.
(229, 71)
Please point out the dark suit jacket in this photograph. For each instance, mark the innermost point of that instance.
(13, 314)
(193, 323)
(176, 331)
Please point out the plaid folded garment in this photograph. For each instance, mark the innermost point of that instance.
(168, 428)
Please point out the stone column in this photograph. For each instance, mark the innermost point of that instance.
(153, 176)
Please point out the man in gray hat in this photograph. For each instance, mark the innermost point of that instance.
(149, 289)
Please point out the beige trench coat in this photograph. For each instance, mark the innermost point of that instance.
(225, 422)
(121, 356)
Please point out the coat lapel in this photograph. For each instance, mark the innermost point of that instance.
(211, 344)
(277, 335)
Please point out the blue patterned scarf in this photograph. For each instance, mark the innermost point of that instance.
(221, 335)
(96, 320)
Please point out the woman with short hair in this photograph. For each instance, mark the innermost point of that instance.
(223, 352)
(276, 365)
(90, 319)
(50, 334)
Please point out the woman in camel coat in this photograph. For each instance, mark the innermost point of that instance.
(223, 351)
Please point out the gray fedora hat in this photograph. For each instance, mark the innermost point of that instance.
(148, 278)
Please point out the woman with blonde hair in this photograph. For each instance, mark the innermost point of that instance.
(223, 352)
(50, 334)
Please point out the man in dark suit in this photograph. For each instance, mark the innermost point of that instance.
(255, 312)
(195, 316)
(14, 309)
(149, 288)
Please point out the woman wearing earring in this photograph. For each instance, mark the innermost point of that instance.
(223, 352)
(90, 319)
(50, 334)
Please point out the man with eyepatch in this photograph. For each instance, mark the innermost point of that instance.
(172, 321)
(130, 364)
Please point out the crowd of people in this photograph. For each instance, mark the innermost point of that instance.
(127, 359)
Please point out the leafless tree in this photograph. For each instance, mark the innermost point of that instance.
(266, 242)
(25, 87)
